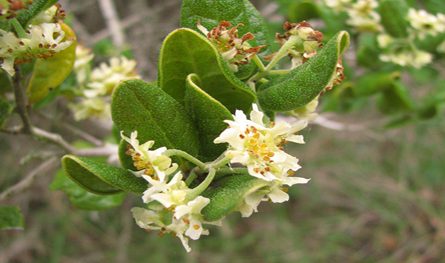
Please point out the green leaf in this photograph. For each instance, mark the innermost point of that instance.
(301, 10)
(37, 6)
(393, 15)
(368, 50)
(374, 82)
(5, 110)
(211, 12)
(124, 158)
(51, 72)
(208, 115)
(395, 99)
(184, 52)
(303, 84)
(143, 107)
(100, 178)
(10, 218)
(229, 194)
(83, 199)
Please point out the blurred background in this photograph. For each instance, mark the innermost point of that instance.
(376, 195)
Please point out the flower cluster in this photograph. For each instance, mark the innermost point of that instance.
(424, 23)
(260, 147)
(42, 39)
(98, 84)
(403, 51)
(362, 14)
(172, 207)
(363, 17)
(234, 49)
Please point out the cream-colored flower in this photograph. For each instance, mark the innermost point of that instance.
(106, 77)
(259, 146)
(41, 41)
(151, 163)
(168, 194)
(425, 23)
(190, 213)
(307, 112)
(147, 219)
(274, 192)
(384, 40)
(408, 57)
(363, 17)
(338, 5)
(91, 107)
(82, 64)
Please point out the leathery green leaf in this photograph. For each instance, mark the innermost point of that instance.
(228, 195)
(145, 108)
(303, 84)
(211, 12)
(393, 16)
(208, 115)
(101, 178)
(184, 52)
(51, 72)
(10, 218)
(83, 199)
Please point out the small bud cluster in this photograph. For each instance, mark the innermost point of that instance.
(310, 41)
(98, 84)
(43, 38)
(234, 49)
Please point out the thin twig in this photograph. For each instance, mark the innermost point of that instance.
(112, 21)
(27, 181)
(21, 102)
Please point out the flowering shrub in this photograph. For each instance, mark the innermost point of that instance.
(208, 138)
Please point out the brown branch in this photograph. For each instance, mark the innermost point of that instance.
(21, 101)
(27, 181)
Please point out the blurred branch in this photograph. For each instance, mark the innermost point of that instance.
(112, 21)
(27, 181)
(21, 101)
(338, 126)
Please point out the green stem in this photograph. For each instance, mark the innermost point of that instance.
(220, 163)
(188, 157)
(192, 176)
(258, 63)
(292, 41)
(279, 72)
(192, 194)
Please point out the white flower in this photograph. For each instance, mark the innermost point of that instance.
(147, 219)
(168, 194)
(384, 40)
(407, 57)
(363, 17)
(41, 41)
(90, 107)
(273, 192)
(46, 16)
(106, 77)
(82, 64)
(151, 163)
(191, 214)
(259, 146)
(307, 112)
(425, 23)
(338, 5)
